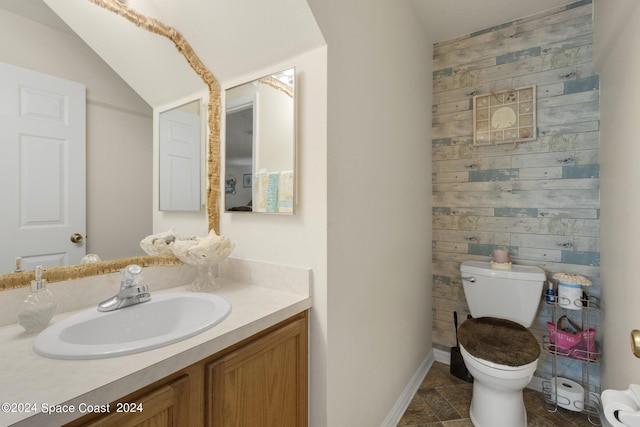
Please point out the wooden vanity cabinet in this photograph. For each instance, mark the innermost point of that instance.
(170, 402)
(261, 381)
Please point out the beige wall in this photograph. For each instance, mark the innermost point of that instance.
(119, 138)
(378, 297)
(363, 218)
(301, 239)
(616, 41)
(119, 154)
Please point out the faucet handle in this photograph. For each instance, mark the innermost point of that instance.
(131, 275)
(142, 293)
(136, 291)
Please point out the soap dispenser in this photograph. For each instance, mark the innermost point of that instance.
(37, 309)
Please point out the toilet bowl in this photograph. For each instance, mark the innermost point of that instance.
(502, 356)
(497, 392)
(496, 346)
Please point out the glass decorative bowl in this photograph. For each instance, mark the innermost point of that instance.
(203, 253)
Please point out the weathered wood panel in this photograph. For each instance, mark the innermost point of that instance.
(530, 23)
(539, 199)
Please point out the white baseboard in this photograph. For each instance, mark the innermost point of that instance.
(443, 356)
(401, 405)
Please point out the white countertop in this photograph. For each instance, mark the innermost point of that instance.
(29, 382)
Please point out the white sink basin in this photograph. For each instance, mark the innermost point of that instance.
(167, 319)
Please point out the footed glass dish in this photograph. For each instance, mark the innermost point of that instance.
(204, 254)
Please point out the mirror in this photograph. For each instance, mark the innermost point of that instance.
(260, 145)
(179, 44)
(180, 158)
(98, 160)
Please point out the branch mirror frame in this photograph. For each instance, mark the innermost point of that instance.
(56, 274)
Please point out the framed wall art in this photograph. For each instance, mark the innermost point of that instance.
(247, 180)
(505, 117)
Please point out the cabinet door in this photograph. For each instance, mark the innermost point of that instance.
(165, 406)
(263, 383)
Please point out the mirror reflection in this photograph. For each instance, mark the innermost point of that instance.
(120, 202)
(180, 158)
(260, 145)
(116, 162)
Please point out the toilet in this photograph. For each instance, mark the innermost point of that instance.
(496, 346)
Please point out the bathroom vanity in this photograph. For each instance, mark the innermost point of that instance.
(253, 365)
(259, 381)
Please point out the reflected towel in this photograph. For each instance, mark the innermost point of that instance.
(285, 192)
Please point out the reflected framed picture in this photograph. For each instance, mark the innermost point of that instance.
(505, 117)
(246, 180)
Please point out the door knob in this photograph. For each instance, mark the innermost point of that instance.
(635, 342)
(76, 238)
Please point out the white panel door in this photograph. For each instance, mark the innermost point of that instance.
(42, 159)
(180, 149)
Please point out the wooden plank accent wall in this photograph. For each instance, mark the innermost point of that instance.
(540, 200)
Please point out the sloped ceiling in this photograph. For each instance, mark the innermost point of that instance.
(235, 38)
(231, 38)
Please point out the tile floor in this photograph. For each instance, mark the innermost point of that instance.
(443, 401)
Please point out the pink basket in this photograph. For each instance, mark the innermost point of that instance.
(571, 341)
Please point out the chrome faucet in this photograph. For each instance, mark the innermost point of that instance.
(130, 292)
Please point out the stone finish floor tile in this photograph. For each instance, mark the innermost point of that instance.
(444, 400)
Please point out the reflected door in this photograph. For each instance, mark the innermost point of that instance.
(179, 161)
(42, 159)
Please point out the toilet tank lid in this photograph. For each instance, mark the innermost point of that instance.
(520, 272)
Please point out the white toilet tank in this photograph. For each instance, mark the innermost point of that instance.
(507, 294)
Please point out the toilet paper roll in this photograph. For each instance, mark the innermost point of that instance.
(614, 401)
(570, 394)
(570, 296)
